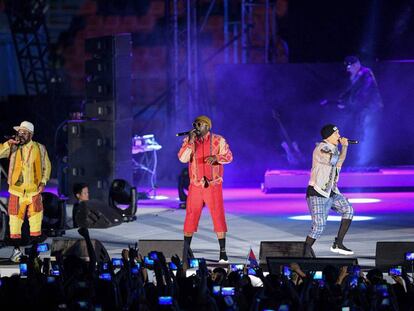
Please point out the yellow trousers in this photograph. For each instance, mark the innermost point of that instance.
(17, 212)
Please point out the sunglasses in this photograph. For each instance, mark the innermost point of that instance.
(198, 124)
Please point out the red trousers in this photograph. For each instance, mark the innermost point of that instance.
(213, 197)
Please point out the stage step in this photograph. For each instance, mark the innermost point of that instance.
(381, 179)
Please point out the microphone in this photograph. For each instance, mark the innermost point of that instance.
(187, 133)
(353, 141)
(183, 133)
(10, 136)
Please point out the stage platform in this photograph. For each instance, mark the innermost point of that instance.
(254, 216)
(355, 180)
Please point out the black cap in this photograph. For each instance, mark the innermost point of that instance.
(351, 59)
(328, 130)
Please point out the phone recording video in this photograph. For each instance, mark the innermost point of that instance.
(23, 270)
(216, 290)
(42, 247)
(172, 266)
(153, 255)
(236, 267)
(149, 263)
(105, 276)
(227, 291)
(318, 275)
(409, 256)
(55, 271)
(251, 271)
(165, 300)
(353, 281)
(287, 272)
(135, 269)
(396, 271)
(117, 262)
(193, 262)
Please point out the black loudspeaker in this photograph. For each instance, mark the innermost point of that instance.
(99, 152)
(390, 254)
(280, 249)
(66, 247)
(54, 214)
(109, 45)
(109, 71)
(308, 264)
(167, 247)
(95, 214)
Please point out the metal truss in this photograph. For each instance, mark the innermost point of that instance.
(188, 94)
(244, 36)
(31, 41)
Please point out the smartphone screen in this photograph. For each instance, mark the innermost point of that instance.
(135, 269)
(353, 281)
(105, 276)
(153, 255)
(117, 262)
(172, 266)
(148, 261)
(55, 269)
(165, 300)
(23, 270)
(216, 290)
(409, 256)
(227, 291)
(318, 275)
(236, 267)
(395, 271)
(251, 271)
(287, 272)
(42, 247)
(193, 262)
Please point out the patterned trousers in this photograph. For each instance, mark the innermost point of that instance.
(319, 208)
(17, 212)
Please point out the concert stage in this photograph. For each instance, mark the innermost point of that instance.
(363, 180)
(254, 216)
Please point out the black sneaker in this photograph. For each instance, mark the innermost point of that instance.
(340, 248)
(223, 257)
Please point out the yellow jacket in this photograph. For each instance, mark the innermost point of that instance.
(29, 167)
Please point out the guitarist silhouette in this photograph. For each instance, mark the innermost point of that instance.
(293, 154)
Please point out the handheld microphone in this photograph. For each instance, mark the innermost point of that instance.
(353, 141)
(10, 136)
(183, 133)
(187, 133)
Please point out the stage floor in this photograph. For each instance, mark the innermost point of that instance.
(254, 216)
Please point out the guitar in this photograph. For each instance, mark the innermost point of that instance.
(293, 154)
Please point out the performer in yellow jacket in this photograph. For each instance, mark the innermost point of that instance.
(29, 171)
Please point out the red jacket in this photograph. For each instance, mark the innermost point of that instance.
(195, 155)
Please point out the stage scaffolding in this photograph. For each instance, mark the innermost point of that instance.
(31, 41)
(243, 35)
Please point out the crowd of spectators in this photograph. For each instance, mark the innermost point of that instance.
(70, 283)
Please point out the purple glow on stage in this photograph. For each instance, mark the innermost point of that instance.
(332, 218)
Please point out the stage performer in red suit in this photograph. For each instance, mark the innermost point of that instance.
(205, 154)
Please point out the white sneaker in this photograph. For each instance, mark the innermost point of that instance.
(340, 249)
(15, 257)
(223, 258)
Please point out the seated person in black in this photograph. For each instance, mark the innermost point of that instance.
(92, 213)
(81, 193)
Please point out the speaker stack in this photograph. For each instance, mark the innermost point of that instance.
(100, 144)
